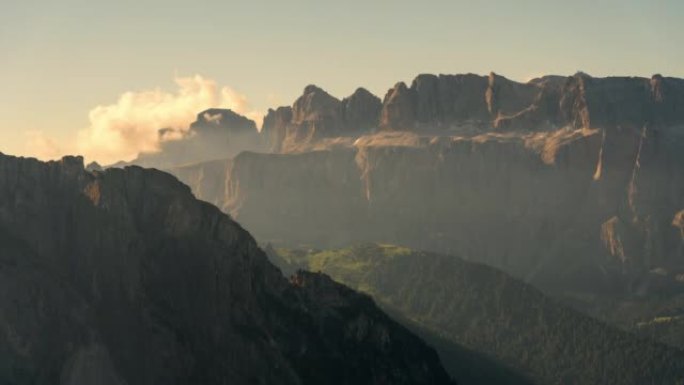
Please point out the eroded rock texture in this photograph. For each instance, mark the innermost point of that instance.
(562, 180)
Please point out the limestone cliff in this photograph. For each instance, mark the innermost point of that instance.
(274, 128)
(556, 180)
(316, 116)
(543, 206)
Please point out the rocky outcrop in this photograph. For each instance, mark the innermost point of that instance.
(668, 94)
(316, 116)
(495, 103)
(551, 207)
(505, 97)
(361, 111)
(94, 166)
(441, 105)
(573, 176)
(123, 277)
(216, 134)
(607, 102)
(215, 119)
(446, 101)
(274, 129)
(398, 112)
(463, 102)
(543, 112)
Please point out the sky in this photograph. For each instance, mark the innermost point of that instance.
(99, 77)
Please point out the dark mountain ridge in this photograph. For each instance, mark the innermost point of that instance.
(123, 277)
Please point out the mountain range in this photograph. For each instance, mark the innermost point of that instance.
(550, 212)
(571, 183)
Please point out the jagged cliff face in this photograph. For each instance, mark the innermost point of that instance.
(495, 103)
(123, 277)
(361, 111)
(557, 180)
(498, 199)
(454, 101)
(316, 116)
(472, 104)
(274, 128)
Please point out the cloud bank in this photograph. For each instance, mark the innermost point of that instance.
(41, 146)
(122, 130)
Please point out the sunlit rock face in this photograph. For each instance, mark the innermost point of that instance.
(123, 277)
(555, 180)
(453, 101)
(398, 112)
(315, 114)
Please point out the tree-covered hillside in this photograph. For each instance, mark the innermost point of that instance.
(482, 309)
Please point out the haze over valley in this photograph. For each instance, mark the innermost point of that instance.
(346, 195)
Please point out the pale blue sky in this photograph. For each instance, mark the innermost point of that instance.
(59, 59)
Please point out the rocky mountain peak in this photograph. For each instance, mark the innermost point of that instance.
(72, 164)
(361, 110)
(223, 118)
(495, 103)
(216, 134)
(318, 115)
(362, 93)
(315, 104)
(398, 108)
(275, 125)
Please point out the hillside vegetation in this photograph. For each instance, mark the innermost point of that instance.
(480, 308)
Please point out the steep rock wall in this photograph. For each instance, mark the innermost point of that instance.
(539, 205)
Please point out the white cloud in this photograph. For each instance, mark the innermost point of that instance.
(216, 118)
(41, 146)
(120, 131)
